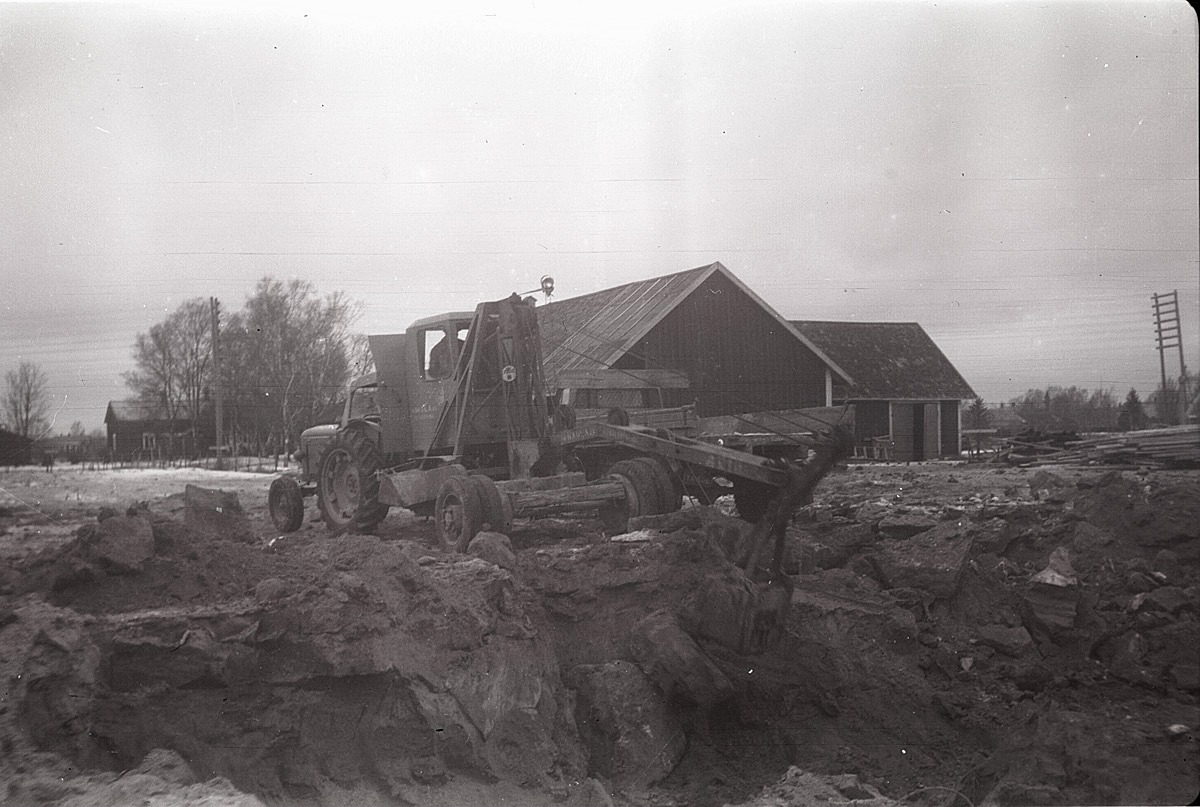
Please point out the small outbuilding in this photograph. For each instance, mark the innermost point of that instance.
(15, 449)
(907, 395)
(699, 336)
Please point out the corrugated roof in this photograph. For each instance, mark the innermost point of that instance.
(888, 360)
(594, 330)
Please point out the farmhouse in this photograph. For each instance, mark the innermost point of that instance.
(699, 336)
(138, 431)
(907, 395)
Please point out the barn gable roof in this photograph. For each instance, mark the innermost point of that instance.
(594, 330)
(888, 360)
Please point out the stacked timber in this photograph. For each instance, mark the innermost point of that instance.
(1176, 446)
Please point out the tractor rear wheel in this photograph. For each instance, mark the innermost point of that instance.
(348, 485)
(286, 504)
(458, 513)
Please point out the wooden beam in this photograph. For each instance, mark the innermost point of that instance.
(725, 461)
(589, 495)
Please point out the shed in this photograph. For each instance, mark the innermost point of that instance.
(138, 430)
(699, 336)
(62, 448)
(906, 393)
(15, 449)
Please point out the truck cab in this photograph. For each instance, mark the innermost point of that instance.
(398, 406)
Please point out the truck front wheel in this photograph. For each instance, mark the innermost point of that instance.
(347, 484)
(459, 513)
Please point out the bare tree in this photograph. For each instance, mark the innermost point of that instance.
(173, 363)
(285, 358)
(359, 355)
(27, 400)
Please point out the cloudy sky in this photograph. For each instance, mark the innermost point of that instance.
(1018, 177)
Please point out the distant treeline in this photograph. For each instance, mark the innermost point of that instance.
(285, 358)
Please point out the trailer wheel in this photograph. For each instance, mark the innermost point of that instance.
(286, 504)
(751, 498)
(616, 514)
(497, 508)
(670, 485)
(347, 485)
(643, 475)
(458, 513)
(659, 481)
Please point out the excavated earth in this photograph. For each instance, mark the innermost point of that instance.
(959, 635)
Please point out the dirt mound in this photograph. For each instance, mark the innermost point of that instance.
(310, 669)
(800, 788)
(1010, 636)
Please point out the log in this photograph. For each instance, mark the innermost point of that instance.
(593, 494)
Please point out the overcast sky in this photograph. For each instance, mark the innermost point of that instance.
(1017, 177)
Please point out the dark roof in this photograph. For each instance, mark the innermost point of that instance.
(133, 411)
(594, 330)
(888, 360)
(1005, 418)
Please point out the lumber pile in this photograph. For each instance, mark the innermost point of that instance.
(1176, 446)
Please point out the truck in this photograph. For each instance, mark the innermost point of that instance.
(456, 423)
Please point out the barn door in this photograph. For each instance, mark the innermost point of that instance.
(902, 431)
(933, 431)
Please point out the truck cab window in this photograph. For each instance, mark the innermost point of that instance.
(363, 403)
(439, 353)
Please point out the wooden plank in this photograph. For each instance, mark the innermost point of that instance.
(600, 378)
(785, 421)
(678, 418)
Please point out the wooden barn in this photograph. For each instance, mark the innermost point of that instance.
(907, 395)
(699, 336)
(140, 431)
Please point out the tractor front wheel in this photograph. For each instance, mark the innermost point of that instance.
(286, 504)
(348, 484)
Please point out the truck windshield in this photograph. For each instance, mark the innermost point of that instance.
(363, 403)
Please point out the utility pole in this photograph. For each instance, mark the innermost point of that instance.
(1170, 335)
(218, 393)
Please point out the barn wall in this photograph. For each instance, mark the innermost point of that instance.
(738, 357)
(128, 442)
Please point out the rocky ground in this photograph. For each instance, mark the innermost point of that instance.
(959, 635)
